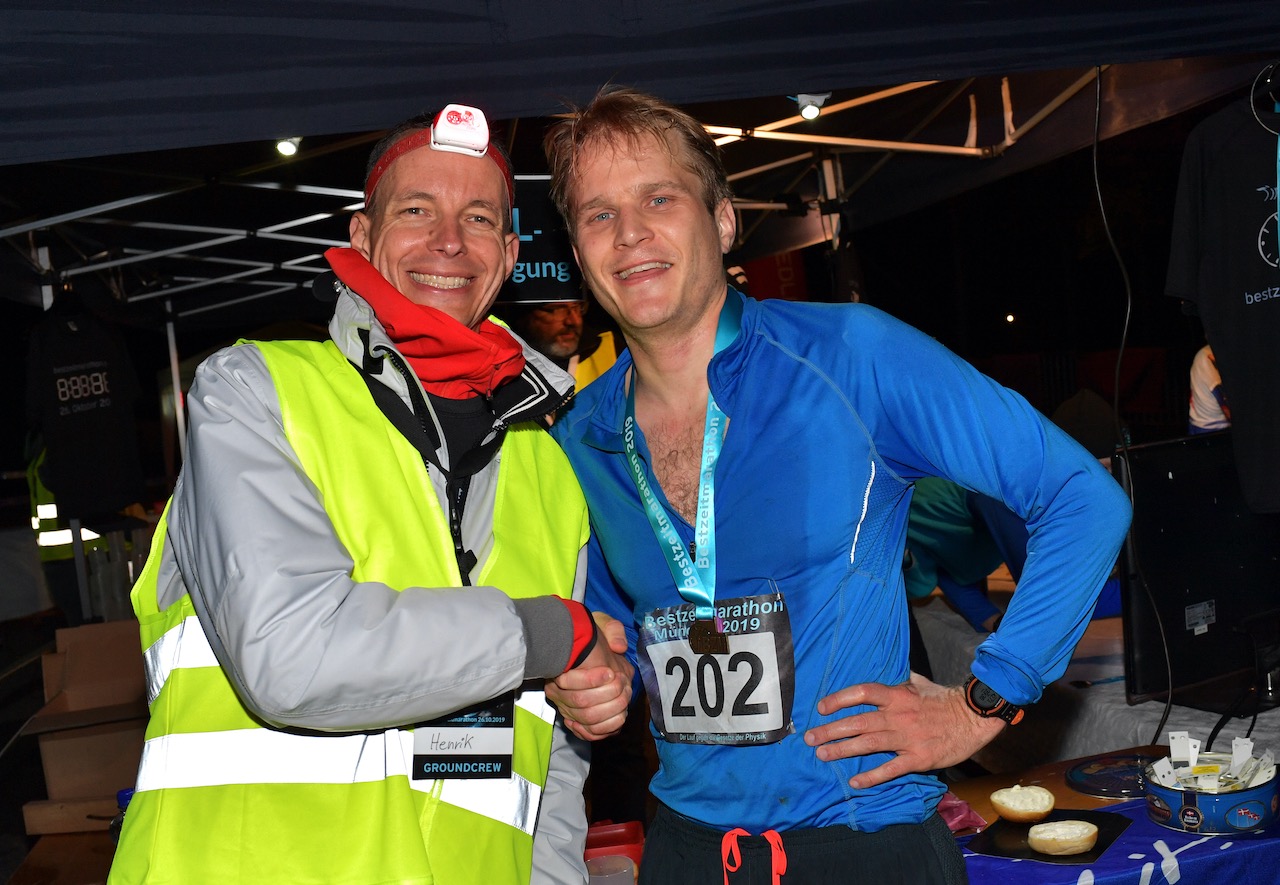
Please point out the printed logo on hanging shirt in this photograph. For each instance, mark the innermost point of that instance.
(82, 387)
(477, 742)
(740, 698)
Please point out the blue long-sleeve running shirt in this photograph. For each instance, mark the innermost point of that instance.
(833, 411)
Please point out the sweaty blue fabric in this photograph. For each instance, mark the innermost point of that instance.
(833, 411)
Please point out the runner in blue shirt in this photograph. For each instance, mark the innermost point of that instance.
(749, 467)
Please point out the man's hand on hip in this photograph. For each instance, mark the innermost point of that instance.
(927, 726)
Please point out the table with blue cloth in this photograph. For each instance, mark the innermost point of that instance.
(1147, 854)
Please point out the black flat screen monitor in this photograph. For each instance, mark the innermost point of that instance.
(1200, 575)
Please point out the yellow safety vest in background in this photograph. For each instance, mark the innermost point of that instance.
(597, 363)
(53, 533)
(223, 798)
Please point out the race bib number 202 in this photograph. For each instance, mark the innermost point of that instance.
(740, 698)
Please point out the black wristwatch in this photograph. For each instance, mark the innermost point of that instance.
(984, 701)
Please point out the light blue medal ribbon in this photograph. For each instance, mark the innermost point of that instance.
(694, 579)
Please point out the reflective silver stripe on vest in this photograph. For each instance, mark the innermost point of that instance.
(264, 756)
(59, 537)
(181, 647)
(536, 702)
(518, 796)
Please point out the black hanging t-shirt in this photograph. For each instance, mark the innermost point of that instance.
(1225, 258)
(81, 393)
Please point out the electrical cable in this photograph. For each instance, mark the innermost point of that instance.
(1120, 433)
(1235, 706)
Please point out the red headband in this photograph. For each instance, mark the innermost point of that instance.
(426, 138)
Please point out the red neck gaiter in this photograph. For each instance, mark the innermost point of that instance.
(450, 360)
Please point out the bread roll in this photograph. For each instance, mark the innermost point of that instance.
(1062, 837)
(1023, 805)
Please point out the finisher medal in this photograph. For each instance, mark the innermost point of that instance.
(705, 637)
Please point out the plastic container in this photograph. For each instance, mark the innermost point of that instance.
(625, 839)
(122, 805)
(611, 869)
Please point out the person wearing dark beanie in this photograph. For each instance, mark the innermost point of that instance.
(371, 565)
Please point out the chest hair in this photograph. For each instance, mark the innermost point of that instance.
(676, 449)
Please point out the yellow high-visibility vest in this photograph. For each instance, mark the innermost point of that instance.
(221, 797)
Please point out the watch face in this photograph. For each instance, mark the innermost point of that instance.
(983, 696)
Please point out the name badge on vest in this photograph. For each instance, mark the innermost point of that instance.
(739, 696)
(477, 742)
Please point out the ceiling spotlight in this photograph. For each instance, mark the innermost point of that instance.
(288, 146)
(811, 103)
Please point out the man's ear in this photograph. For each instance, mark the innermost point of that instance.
(359, 230)
(727, 224)
(513, 251)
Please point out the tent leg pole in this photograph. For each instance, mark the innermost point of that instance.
(175, 377)
(82, 569)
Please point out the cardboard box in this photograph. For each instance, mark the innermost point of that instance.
(91, 728)
(43, 817)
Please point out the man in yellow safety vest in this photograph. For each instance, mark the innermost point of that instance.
(368, 571)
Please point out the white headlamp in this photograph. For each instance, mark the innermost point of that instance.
(461, 130)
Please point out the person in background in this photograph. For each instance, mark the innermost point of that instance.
(371, 563)
(949, 547)
(748, 469)
(544, 301)
(1207, 410)
(955, 537)
(556, 330)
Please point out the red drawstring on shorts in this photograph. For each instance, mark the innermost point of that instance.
(731, 855)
